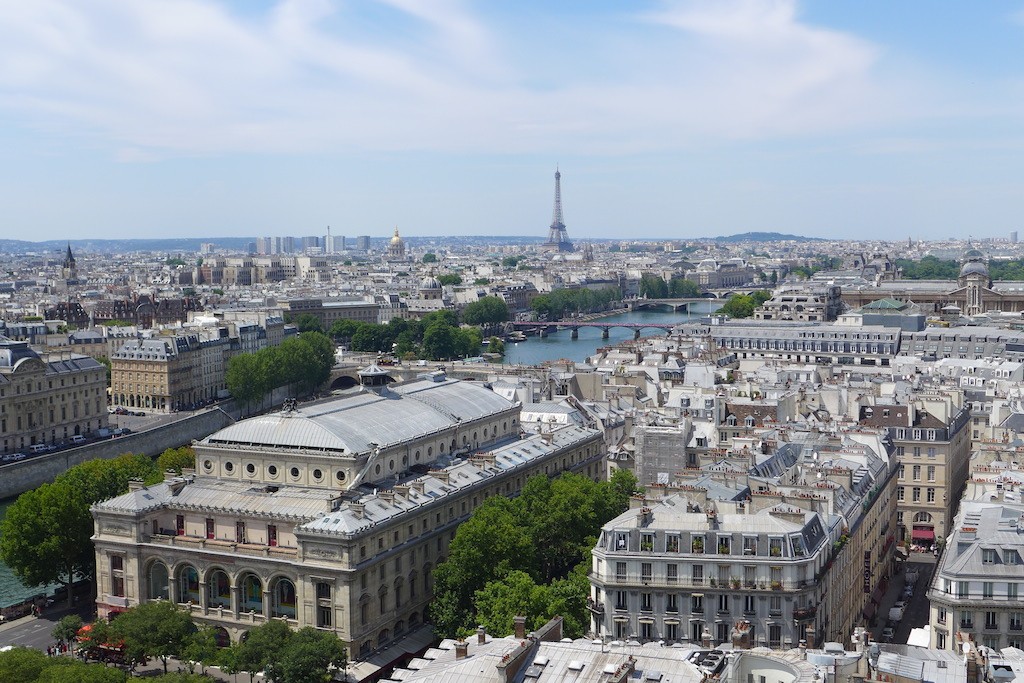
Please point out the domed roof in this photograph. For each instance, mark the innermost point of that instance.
(397, 239)
(974, 267)
(430, 282)
(973, 254)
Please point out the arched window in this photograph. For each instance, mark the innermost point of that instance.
(219, 589)
(252, 594)
(188, 584)
(922, 518)
(282, 602)
(159, 586)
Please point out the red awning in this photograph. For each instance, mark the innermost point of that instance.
(869, 610)
(923, 534)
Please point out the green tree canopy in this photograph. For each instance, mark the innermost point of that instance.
(307, 322)
(153, 629)
(449, 279)
(176, 459)
(429, 258)
(562, 302)
(488, 310)
(310, 657)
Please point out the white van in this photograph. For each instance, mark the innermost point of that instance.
(78, 439)
(38, 448)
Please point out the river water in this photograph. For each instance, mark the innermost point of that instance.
(559, 344)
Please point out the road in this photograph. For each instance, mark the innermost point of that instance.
(916, 613)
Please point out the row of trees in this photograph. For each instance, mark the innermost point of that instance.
(45, 536)
(301, 363)
(654, 287)
(437, 336)
(563, 302)
(527, 556)
(158, 629)
(743, 305)
(929, 268)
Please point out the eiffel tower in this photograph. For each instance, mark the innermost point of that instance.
(558, 238)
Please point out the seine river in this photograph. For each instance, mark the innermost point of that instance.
(559, 345)
(553, 347)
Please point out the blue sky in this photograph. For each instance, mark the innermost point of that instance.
(668, 119)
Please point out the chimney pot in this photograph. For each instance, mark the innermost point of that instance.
(520, 623)
(461, 649)
(481, 635)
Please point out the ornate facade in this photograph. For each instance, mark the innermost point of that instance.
(331, 515)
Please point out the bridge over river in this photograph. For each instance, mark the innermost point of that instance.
(542, 328)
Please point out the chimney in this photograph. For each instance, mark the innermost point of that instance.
(705, 639)
(461, 649)
(440, 475)
(809, 636)
(417, 485)
(135, 485)
(387, 496)
(481, 635)
(402, 490)
(520, 623)
(357, 509)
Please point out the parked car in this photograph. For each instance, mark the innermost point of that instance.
(888, 634)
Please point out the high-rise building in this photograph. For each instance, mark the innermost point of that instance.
(558, 237)
(363, 243)
(310, 242)
(287, 245)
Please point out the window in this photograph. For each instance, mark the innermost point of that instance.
(916, 494)
(240, 532)
(698, 574)
(672, 573)
(930, 495)
(987, 589)
(899, 493)
(1011, 591)
(645, 571)
(646, 602)
(672, 544)
(991, 620)
(209, 527)
(1011, 557)
(749, 545)
(775, 605)
(988, 556)
(966, 619)
(962, 589)
(620, 600)
(749, 604)
(931, 472)
(1016, 621)
(323, 616)
(941, 615)
(647, 542)
(271, 535)
(671, 603)
(697, 603)
(323, 590)
(620, 571)
(179, 525)
(917, 473)
(723, 603)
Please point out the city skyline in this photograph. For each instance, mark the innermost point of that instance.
(668, 120)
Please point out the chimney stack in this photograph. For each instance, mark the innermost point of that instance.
(481, 635)
(461, 649)
(520, 623)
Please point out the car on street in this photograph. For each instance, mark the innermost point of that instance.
(888, 634)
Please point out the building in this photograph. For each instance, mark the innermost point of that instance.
(363, 243)
(169, 373)
(932, 437)
(48, 399)
(396, 247)
(821, 304)
(796, 549)
(330, 515)
(329, 312)
(975, 594)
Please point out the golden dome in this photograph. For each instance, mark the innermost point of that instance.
(396, 240)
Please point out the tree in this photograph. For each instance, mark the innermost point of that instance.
(66, 630)
(245, 378)
(106, 363)
(153, 629)
(450, 279)
(738, 306)
(481, 281)
(44, 538)
(429, 258)
(343, 330)
(307, 322)
(442, 342)
(22, 665)
(176, 459)
(496, 345)
(201, 647)
(63, 670)
(511, 261)
(653, 286)
(265, 644)
(488, 310)
(310, 657)
(323, 353)
(683, 288)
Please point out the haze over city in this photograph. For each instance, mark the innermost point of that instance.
(667, 119)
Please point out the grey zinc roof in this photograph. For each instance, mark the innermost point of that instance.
(351, 424)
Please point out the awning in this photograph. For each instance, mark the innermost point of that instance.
(869, 610)
(878, 593)
(923, 534)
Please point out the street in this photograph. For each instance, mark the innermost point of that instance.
(916, 613)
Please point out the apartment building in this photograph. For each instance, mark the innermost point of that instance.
(48, 399)
(331, 515)
(931, 434)
(167, 373)
(796, 550)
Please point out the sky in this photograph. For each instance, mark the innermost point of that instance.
(196, 118)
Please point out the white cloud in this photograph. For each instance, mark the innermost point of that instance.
(171, 77)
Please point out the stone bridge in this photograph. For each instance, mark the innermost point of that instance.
(542, 328)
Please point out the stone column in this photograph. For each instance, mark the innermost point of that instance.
(236, 601)
(266, 603)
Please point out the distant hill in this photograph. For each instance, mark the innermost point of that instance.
(766, 237)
